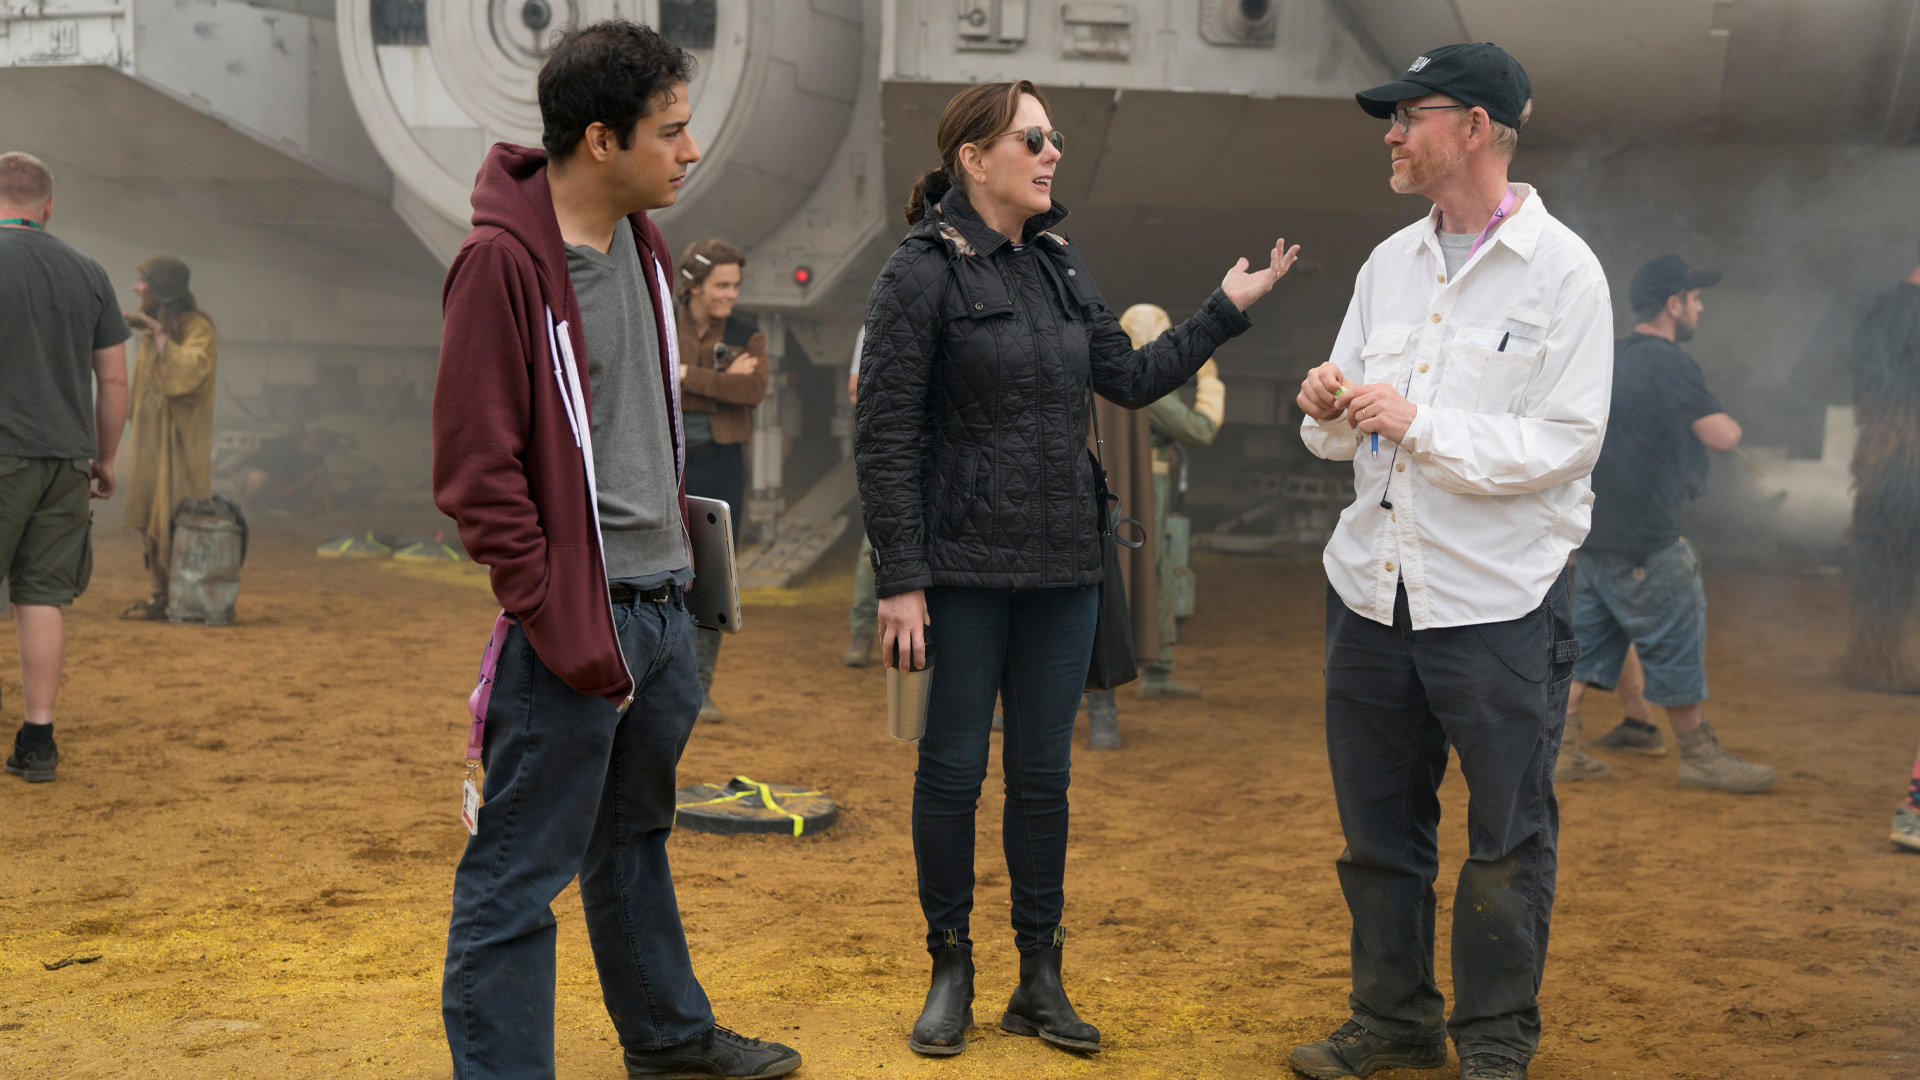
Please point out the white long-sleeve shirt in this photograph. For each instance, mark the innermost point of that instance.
(1490, 489)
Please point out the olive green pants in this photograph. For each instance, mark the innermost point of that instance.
(46, 529)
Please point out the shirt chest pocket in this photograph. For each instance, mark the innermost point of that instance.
(1494, 367)
(1383, 359)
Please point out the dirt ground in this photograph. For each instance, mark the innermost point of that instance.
(255, 830)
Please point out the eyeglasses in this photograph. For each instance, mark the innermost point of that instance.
(1037, 139)
(1403, 116)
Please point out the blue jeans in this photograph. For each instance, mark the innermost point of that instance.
(1396, 698)
(1656, 603)
(575, 788)
(1030, 648)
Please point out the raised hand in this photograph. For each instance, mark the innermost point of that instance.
(1244, 287)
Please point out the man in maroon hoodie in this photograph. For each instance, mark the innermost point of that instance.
(556, 446)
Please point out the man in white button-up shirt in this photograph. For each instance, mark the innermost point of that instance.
(1469, 387)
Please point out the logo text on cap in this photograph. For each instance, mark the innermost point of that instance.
(1417, 65)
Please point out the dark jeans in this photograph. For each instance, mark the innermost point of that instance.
(1030, 649)
(716, 472)
(1396, 698)
(575, 787)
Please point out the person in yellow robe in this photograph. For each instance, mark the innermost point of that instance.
(172, 414)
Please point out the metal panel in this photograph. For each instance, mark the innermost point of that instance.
(249, 65)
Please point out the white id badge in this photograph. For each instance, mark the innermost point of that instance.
(470, 806)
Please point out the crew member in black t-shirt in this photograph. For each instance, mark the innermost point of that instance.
(1636, 579)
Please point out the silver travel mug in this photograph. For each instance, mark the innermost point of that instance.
(908, 692)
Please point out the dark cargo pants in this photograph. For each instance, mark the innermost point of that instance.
(1396, 699)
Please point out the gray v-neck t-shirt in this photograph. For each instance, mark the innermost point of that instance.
(633, 453)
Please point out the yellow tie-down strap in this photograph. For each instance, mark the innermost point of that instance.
(765, 791)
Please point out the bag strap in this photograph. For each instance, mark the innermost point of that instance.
(1110, 521)
(1093, 410)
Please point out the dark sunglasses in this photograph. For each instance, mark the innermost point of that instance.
(1037, 139)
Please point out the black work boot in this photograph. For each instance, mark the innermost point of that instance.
(1491, 1067)
(1354, 1051)
(942, 1028)
(1039, 1005)
(718, 1052)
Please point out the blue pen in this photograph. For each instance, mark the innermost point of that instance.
(1376, 444)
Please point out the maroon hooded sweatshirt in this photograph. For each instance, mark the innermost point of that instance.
(512, 441)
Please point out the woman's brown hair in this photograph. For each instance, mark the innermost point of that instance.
(699, 260)
(975, 114)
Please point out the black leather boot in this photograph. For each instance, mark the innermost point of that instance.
(948, 1013)
(1039, 1005)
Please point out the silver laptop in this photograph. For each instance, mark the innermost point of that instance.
(714, 596)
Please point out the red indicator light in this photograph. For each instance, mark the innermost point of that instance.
(802, 275)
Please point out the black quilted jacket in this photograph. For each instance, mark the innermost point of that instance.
(971, 429)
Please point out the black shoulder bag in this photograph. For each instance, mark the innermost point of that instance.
(1113, 661)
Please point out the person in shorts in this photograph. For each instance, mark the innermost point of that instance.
(1636, 579)
(63, 362)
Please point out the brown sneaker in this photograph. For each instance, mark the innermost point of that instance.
(1354, 1051)
(1704, 765)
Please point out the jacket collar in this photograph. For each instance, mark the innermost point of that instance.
(1521, 232)
(957, 213)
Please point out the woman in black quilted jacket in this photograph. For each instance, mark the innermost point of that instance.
(984, 337)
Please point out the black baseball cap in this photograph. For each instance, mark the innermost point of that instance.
(1477, 73)
(1666, 276)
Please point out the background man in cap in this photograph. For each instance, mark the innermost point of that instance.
(1478, 349)
(1636, 579)
(172, 415)
(63, 400)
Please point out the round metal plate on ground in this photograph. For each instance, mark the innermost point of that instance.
(744, 805)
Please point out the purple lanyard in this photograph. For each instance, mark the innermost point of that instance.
(483, 689)
(1499, 215)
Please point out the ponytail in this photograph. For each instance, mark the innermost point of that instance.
(933, 184)
(974, 115)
